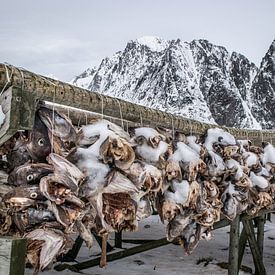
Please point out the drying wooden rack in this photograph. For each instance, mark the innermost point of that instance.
(22, 91)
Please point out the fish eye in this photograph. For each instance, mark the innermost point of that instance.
(33, 195)
(41, 142)
(30, 177)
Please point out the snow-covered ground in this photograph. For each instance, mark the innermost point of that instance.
(170, 259)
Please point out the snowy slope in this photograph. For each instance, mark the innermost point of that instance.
(198, 80)
(263, 90)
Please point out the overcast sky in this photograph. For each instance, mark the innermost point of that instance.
(64, 37)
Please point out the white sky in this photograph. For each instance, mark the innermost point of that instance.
(64, 37)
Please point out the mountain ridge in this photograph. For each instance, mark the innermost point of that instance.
(194, 79)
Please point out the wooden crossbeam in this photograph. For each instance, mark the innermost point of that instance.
(36, 87)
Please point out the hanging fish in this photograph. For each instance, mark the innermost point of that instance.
(29, 173)
(19, 154)
(59, 126)
(38, 144)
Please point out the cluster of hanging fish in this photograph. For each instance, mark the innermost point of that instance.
(57, 180)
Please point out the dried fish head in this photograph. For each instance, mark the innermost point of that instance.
(169, 210)
(194, 194)
(22, 197)
(63, 166)
(230, 151)
(29, 173)
(177, 225)
(31, 217)
(119, 211)
(264, 199)
(230, 203)
(59, 188)
(19, 154)
(173, 170)
(58, 124)
(44, 245)
(117, 150)
(191, 236)
(144, 208)
(244, 182)
(211, 189)
(39, 145)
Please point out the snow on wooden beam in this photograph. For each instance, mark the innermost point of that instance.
(39, 88)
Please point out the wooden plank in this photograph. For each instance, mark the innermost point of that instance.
(113, 256)
(233, 268)
(12, 256)
(259, 266)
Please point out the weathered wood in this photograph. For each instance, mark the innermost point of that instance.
(233, 268)
(12, 256)
(72, 253)
(113, 256)
(118, 239)
(46, 89)
(260, 235)
(242, 244)
(258, 263)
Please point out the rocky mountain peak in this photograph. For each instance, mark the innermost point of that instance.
(199, 80)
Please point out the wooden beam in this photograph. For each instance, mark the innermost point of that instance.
(113, 256)
(12, 256)
(233, 267)
(259, 266)
(46, 89)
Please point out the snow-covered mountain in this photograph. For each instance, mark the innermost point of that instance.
(263, 91)
(198, 80)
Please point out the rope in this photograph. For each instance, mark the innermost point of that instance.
(53, 124)
(173, 128)
(141, 120)
(191, 127)
(86, 118)
(102, 106)
(120, 111)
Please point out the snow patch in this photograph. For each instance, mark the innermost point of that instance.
(2, 116)
(154, 43)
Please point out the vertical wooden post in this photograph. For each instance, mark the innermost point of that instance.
(260, 233)
(259, 266)
(12, 256)
(242, 243)
(72, 254)
(260, 237)
(234, 247)
(118, 239)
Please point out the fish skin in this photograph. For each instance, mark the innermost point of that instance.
(60, 127)
(39, 145)
(31, 217)
(51, 245)
(63, 166)
(29, 173)
(19, 154)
